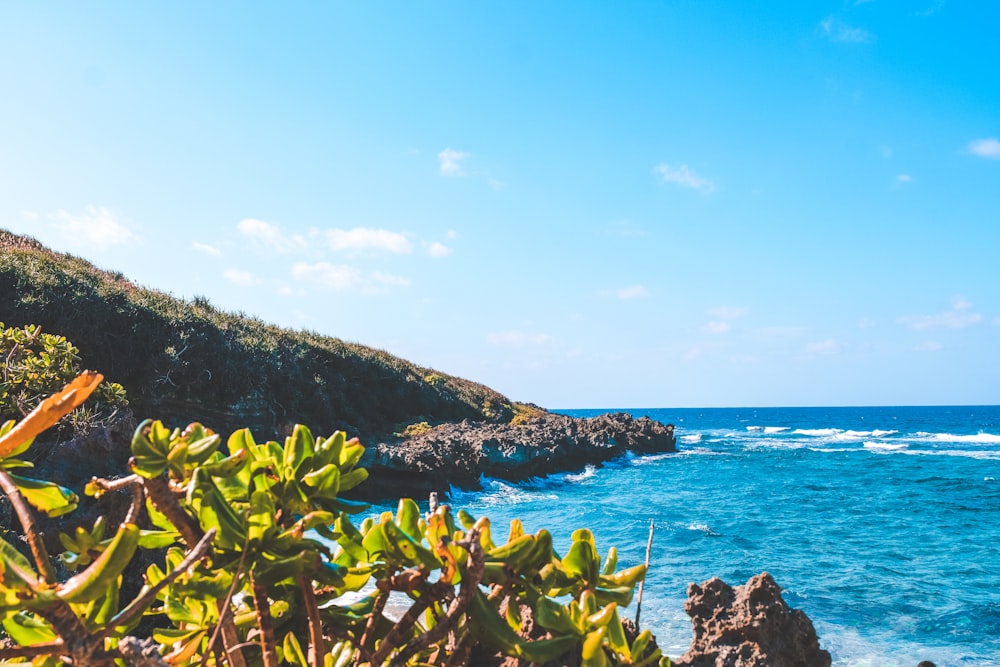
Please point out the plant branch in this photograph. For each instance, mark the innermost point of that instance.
(265, 622)
(31, 532)
(317, 646)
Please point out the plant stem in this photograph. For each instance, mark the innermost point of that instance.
(31, 532)
(638, 603)
(265, 622)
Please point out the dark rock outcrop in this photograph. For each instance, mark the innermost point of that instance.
(748, 626)
(458, 454)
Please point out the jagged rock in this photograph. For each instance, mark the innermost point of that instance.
(458, 454)
(748, 626)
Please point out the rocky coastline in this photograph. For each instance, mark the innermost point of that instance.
(460, 454)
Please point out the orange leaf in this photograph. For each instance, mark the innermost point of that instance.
(51, 410)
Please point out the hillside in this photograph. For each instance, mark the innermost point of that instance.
(186, 360)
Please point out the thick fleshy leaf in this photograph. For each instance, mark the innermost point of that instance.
(47, 497)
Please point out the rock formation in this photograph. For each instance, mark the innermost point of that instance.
(748, 626)
(458, 454)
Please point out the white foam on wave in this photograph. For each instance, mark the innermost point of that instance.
(979, 438)
(588, 472)
(983, 455)
(755, 429)
(775, 429)
(651, 458)
(694, 437)
(885, 446)
(495, 493)
(817, 432)
(878, 433)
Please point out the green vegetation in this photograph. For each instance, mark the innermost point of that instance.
(37, 364)
(523, 413)
(187, 360)
(260, 549)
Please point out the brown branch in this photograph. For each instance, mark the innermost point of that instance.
(395, 636)
(224, 609)
(368, 637)
(138, 605)
(50, 648)
(265, 622)
(317, 647)
(470, 584)
(163, 499)
(31, 532)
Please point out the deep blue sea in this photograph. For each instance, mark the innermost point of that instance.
(882, 524)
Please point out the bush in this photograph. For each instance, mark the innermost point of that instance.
(37, 364)
(260, 550)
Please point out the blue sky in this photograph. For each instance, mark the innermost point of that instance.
(581, 204)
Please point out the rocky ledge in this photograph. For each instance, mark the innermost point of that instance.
(748, 626)
(459, 454)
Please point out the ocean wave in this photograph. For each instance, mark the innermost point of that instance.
(878, 433)
(703, 528)
(885, 446)
(818, 432)
(495, 492)
(755, 429)
(653, 458)
(979, 438)
(775, 429)
(588, 472)
(694, 437)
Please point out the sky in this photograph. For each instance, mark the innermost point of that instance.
(672, 203)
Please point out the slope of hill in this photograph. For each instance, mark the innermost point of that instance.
(186, 360)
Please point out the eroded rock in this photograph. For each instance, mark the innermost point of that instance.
(748, 626)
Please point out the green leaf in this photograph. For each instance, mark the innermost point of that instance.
(28, 629)
(47, 497)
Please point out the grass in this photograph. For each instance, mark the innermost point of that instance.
(183, 360)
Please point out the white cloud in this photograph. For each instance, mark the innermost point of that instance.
(389, 279)
(240, 277)
(496, 184)
(365, 238)
(959, 316)
(928, 346)
(828, 346)
(516, 339)
(337, 278)
(630, 292)
(839, 31)
(989, 148)
(779, 333)
(438, 250)
(207, 249)
(904, 178)
(684, 176)
(451, 235)
(451, 162)
(97, 226)
(717, 327)
(271, 236)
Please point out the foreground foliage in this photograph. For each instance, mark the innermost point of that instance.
(260, 551)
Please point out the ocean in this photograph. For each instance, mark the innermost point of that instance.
(881, 523)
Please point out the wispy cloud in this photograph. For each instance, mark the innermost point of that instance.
(988, 148)
(368, 239)
(438, 250)
(517, 339)
(206, 249)
(904, 178)
(336, 278)
(928, 346)
(959, 316)
(838, 31)
(717, 327)
(96, 226)
(271, 236)
(240, 277)
(390, 280)
(625, 293)
(723, 319)
(684, 176)
(450, 162)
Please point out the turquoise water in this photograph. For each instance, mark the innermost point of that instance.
(882, 524)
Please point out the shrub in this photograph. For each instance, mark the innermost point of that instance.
(37, 364)
(261, 549)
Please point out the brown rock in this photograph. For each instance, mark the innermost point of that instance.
(748, 626)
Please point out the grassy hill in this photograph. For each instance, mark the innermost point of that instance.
(186, 360)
